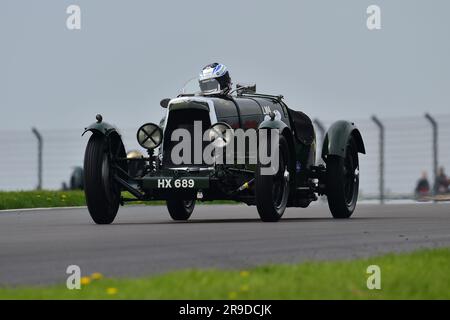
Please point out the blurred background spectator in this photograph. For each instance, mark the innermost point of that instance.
(441, 184)
(423, 186)
(76, 180)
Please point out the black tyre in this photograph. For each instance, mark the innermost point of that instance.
(272, 191)
(102, 192)
(180, 210)
(343, 182)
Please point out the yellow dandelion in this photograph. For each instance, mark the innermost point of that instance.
(63, 196)
(244, 287)
(38, 196)
(49, 199)
(85, 281)
(232, 295)
(96, 276)
(111, 291)
(244, 273)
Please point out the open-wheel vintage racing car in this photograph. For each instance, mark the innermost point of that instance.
(213, 117)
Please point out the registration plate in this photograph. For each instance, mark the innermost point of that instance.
(179, 183)
(176, 183)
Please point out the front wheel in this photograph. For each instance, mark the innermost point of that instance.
(101, 191)
(343, 182)
(180, 210)
(272, 190)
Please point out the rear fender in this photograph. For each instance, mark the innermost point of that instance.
(335, 141)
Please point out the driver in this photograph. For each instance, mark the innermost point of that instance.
(215, 77)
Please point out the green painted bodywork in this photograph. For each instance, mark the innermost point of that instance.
(306, 156)
(101, 127)
(335, 141)
(189, 104)
(300, 153)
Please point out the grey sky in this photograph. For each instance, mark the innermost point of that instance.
(130, 54)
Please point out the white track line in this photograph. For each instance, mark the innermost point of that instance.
(363, 202)
(41, 209)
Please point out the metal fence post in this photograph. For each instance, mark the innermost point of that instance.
(40, 143)
(321, 129)
(434, 125)
(381, 160)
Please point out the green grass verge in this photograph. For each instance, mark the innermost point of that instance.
(419, 275)
(52, 199)
(41, 199)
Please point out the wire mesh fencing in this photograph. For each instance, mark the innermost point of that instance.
(63, 150)
(408, 151)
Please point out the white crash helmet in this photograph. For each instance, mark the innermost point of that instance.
(214, 77)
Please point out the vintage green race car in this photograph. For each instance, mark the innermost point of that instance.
(221, 117)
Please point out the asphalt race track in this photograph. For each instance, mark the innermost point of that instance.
(37, 246)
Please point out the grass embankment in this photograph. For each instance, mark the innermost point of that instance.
(53, 199)
(419, 275)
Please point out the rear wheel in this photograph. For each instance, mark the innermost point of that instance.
(101, 190)
(180, 210)
(343, 182)
(272, 191)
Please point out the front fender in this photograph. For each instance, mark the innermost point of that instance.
(272, 124)
(115, 144)
(335, 141)
(103, 128)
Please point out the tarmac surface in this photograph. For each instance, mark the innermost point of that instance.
(37, 246)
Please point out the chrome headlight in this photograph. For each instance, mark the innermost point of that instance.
(149, 136)
(221, 134)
